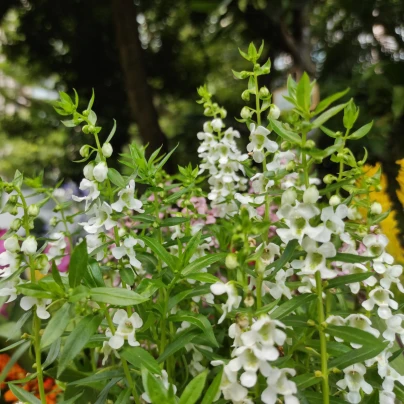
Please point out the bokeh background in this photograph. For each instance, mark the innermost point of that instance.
(145, 59)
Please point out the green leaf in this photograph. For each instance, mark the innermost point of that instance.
(181, 339)
(78, 264)
(102, 397)
(34, 290)
(204, 277)
(176, 195)
(116, 296)
(306, 380)
(23, 395)
(99, 376)
(112, 133)
(12, 346)
(93, 276)
(194, 389)
(191, 247)
(344, 280)
(285, 257)
(317, 398)
(202, 262)
(116, 178)
(303, 93)
(56, 275)
(324, 104)
(156, 390)
(174, 221)
(14, 358)
(285, 134)
(268, 307)
(72, 400)
(213, 389)
(292, 305)
(325, 116)
(330, 133)
(351, 258)
(198, 320)
(357, 356)
(53, 353)
(354, 335)
(139, 357)
(195, 291)
(123, 398)
(160, 251)
(56, 325)
(363, 131)
(77, 339)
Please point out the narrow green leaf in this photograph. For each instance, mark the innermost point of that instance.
(116, 296)
(112, 133)
(23, 395)
(344, 280)
(116, 178)
(325, 116)
(198, 320)
(292, 305)
(56, 325)
(213, 389)
(354, 335)
(14, 330)
(102, 397)
(306, 380)
(99, 376)
(265, 309)
(183, 338)
(156, 390)
(73, 400)
(53, 353)
(174, 221)
(191, 247)
(204, 277)
(139, 357)
(177, 195)
(56, 275)
(160, 251)
(330, 133)
(77, 339)
(78, 264)
(285, 133)
(202, 262)
(194, 389)
(323, 104)
(196, 291)
(317, 398)
(12, 346)
(303, 93)
(285, 257)
(363, 131)
(14, 358)
(351, 258)
(123, 398)
(93, 276)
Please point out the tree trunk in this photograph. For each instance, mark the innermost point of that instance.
(134, 70)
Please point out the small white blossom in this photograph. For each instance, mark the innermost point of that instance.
(29, 245)
(278, 384)
(127, 199)
(355, 382)
(100, 171)
(27, 302)
(233, 299)
(383, 299)
(259, 142)
(127, 249)
(87, 186)
(394, 326)
(102, 217)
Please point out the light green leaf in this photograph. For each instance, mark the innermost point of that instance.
(354, 335)
(181, 339)
(292, 305)
(196, 291)
(363, 131)
(325, 116)
(116, 296)
(285, 134)
(194, 389)
(202, 262)
(160, 251)
(78, 264)
(213, 389)
(56, 325)
(323, 104)
(204, 277)
(23, 395)
(351, 258)
(139, 357)
(77, 339)
(116, 178)
(303, 93)
(306, 380)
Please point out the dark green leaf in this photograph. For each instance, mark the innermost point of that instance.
(354, 335)
(160, 251)
(325, 116)
(202, 262)
(323, 104)
(346, 279)
(183, 338)
(78, 264)
(139, 357)
(351, 258)
(116, 178)
(306, 380)
(23, 395)
(285, 134)
(291, 305)
(116, 296)
(56, 325)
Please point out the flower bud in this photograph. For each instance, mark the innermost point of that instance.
(91, 128)
(376, 208)
(223, 113)
(33, 210)
(107, 149)
(42, 263)
(54, 221)
(245, 95)
(335, 200)
(231, 261)
(86, 112)
(16, 224)
(85, 150)
(329, 178)
(290, 166)
(13, 199)
(100, 171)
(217, 124)
(263, 92)
(11, 244)
(289, 197)
(274, 112)
(85, 129)
(310, 144)
(29, 246)
(285, 145)
(88, 171)
(249, 300)
(311, 195)
(245, 113)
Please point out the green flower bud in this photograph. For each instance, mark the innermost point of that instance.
(244, 74)
(86, 112)
(231, 261)
(249, 300)
(263, 93)
(310, 144)
(245, 113)
(54, 221)
(14, 211)
(107, 149)
(329, 178)
(85, 150)
(13, 199)
(223, 113)
(274, 112)
(85, 129)
(16, 224)
(335, 200)
(91, 128)
(290, 166)
(33, 210)
(245, 95)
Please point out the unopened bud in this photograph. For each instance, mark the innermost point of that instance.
(53, 222)
(245, 95)
(13, 199)
(310, 144)
(289, 197)
(376, 208)
(85, 150)
(249, 300)
(329, 179)
(223, 113)
(274, 112)
(107, 149)
(33, 210)
(263, 93)
(91, 128)
(15, 224)
(100, 171)
(231, 261)
(245, 113)
(335, 200)
(311, 195)
(88, 171)
(290, 166)
(86, 112)
(85, 129)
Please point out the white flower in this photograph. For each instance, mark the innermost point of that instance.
(233, 299)
(9, 263)
(316, 259)
(260, 183)
(217, 124)
(376, 244)
(259, 142)
(125, 330)
(93, 242)
(88, 171)
(387, 397)
(102, 217)
(246, 202)
(391, 275)
(229, 385)
(127, 199)
(297, 218)
(278, 384)
(100, 171)
(308, 284)
(358, 269)
(362, 323)
(381, 298)
(57, 244)
(107, 149)
(127, 249)
(279, 288)
(376, 208)
(27, 302)
(29, 245)
(355, 382)
(332, 222)
(280, 160)
(91, 187)
(9, 289)
(394, 326)
(311, 195)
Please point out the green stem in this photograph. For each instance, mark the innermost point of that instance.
(304, 161)
(37, 345)
(259, 291)
(257, 100)
(323, 340)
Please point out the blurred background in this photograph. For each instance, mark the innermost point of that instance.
(145, 59)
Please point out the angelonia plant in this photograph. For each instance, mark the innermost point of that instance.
(245, 280)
